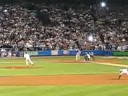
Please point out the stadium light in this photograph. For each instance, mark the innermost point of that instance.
(5, 11)
(103, 4)
(90, 38)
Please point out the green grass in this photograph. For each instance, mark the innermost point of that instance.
(49, 67)
(64, 91)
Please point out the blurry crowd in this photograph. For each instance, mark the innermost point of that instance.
(67, 28)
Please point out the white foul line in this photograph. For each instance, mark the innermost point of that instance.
(112, 64)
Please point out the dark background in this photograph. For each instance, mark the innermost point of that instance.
(87, 2)
(44, 16)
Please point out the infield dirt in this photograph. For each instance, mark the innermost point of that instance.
(103, 79)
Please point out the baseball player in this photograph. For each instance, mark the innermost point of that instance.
(28, 59)
(87, 57)
(122, 72)
(92, 55)
(78, 55)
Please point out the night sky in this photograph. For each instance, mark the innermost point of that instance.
(87, 2)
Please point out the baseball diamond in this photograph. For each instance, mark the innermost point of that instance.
(63, 47)
(61, 79)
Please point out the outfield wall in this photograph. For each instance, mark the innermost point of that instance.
(73, 53)
(68, 53)
(120, 53)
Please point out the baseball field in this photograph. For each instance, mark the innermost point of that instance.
(63, 76)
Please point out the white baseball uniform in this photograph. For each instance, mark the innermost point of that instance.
(78, 55)
(88, 56)
(123, 71)
(28, 60)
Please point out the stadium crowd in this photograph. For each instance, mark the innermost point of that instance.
(65, 28)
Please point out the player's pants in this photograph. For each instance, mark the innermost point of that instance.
(86, 58)
(93, 58)
(28, 61)
(77, 57)
(123, 72)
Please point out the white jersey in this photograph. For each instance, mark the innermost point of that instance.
(27, 56)
(91, 53)
(88, 56)
(123, 71)
(78, 53)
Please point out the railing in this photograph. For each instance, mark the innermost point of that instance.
(9, 53)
